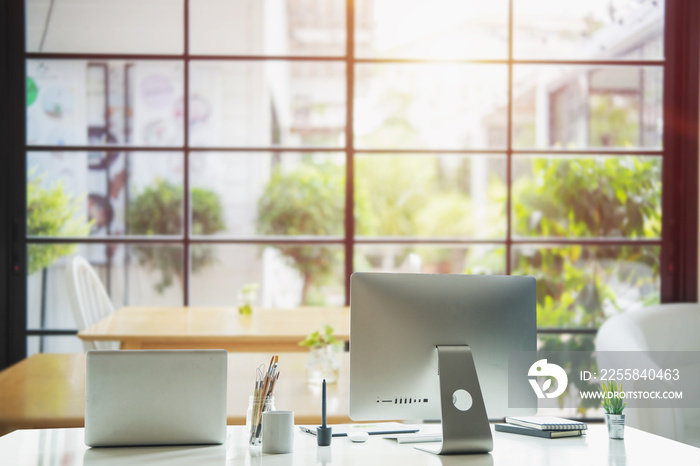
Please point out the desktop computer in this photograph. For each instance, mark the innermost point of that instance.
(437, 347)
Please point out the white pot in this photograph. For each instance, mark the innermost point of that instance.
(322, 364)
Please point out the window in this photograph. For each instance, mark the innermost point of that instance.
(189, 148)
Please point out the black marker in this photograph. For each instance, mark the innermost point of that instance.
(323, 432)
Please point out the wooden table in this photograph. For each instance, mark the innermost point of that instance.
(48, 390)
(217, 327)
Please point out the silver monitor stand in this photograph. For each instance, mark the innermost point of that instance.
(465, 425)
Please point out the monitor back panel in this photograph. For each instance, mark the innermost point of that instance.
(397, 320)
(159, 397)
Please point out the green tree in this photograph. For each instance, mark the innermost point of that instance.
(157, 210)
(611, 197)
(427, 197)
(308, 200)
(581, 198)
(395, 189)
(51, 212)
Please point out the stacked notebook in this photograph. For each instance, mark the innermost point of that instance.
(543, 426)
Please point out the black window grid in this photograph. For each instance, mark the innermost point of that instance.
(348, 240)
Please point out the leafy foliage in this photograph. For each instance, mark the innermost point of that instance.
(419, 196)
(612, 404)
(51, 212)
(591, 196)
(247, 294)
(585, 197)
(318, 338)
(308, 200)
(158, 211)
(580, 198)
(395, 189)
(579, 350)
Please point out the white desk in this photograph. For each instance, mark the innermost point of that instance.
(66, 447)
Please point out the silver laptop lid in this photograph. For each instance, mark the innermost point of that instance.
(155, 397)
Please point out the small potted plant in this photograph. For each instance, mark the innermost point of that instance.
(614, 404)
(323, 356)
(246, 296)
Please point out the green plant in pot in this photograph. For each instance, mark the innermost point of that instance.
(247, 294)
(323, 356)
(614, 404)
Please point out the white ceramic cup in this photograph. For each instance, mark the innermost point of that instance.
(278, 432)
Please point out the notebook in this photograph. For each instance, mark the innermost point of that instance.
(547, 423)
(155, 397)
(513, 429)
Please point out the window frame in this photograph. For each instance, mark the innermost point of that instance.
(679, 239)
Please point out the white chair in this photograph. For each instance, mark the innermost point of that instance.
(89, 300)
(670, 330)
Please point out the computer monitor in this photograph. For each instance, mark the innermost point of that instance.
(397, 324)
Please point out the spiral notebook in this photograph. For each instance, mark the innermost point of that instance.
(513, 429)
(547, 423)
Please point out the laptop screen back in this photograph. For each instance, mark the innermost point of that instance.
(155, 397)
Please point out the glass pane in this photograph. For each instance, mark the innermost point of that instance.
(104, 193)
(582, 360)
(594, 29)
(135, 274)
(53, 344)
(269, 27)
(287, 275)
(105, 26)
(430, 196)
(430, 106)
(48, 302)
(400, 258)
(580, 286)
(103, 102)
(561, 196)
(149, 275)
(268, 194)
(155, 203)
(580, 107)
(439, 29)
(267, 103)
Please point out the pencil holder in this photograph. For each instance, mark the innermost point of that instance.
(253, 417)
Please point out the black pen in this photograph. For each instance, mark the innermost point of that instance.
(323, 405)
(323, 432)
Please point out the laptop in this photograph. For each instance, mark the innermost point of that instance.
(155, 397)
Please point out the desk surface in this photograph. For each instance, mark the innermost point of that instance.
(217, 327)
(48, 390)
(66, 447)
